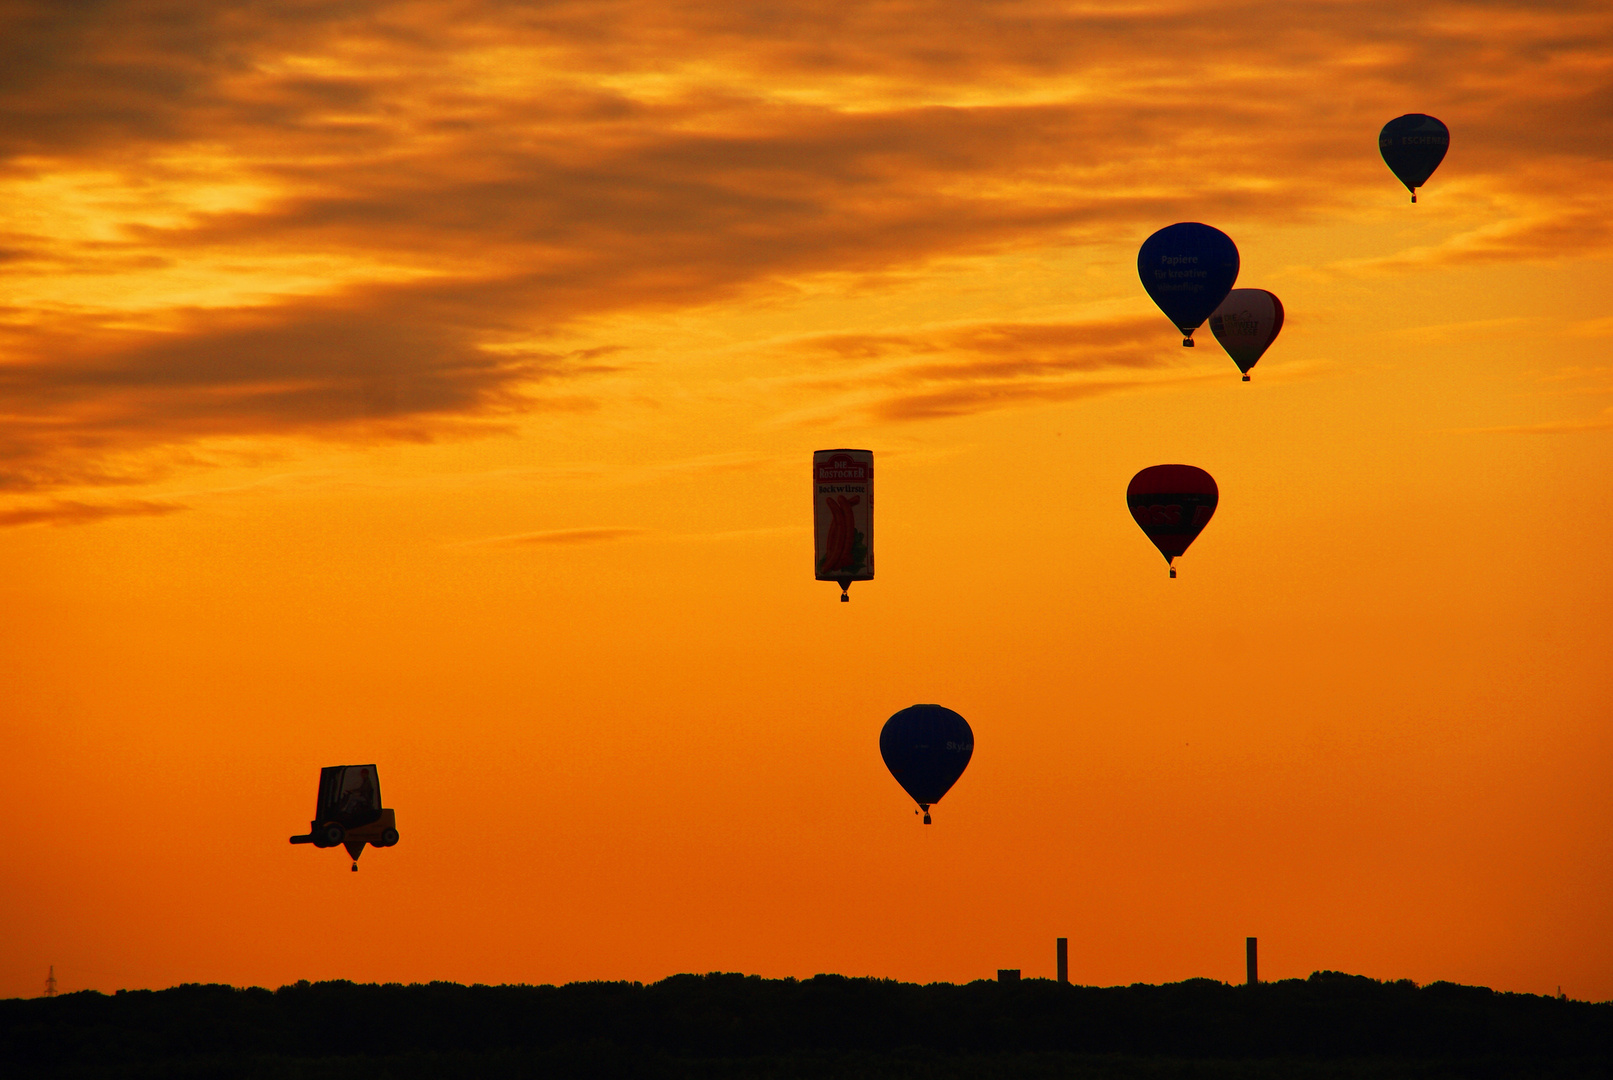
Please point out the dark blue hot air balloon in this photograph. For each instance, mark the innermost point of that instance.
(1188, 269)
(1413, 146)
(926, 747)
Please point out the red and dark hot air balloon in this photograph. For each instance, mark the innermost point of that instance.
(1172, 504)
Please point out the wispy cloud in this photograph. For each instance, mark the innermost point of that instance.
(68, 512)
(1552, 427)
(70, 401)
(983, 397)
(956, 370)
(593, 535)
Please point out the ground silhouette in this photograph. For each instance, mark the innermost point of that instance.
(729, 1025)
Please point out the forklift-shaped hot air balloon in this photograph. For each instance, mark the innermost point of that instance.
(349, 812)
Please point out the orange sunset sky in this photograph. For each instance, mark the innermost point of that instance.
(435, 384)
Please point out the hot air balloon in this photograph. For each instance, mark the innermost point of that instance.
(1188, 269)
(843, 516)
(1172, 503)
(926, 747)
(349, 812)
(1413, 146)
(1246, 324)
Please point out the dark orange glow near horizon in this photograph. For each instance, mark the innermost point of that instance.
(436, 384)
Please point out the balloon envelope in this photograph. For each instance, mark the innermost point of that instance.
(1413, 146)
(1188, 269)
(926, 747)
(1172, 504)
(1246, 324)
(843, 516)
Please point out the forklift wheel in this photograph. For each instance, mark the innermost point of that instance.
(332, 835)
(389, 837)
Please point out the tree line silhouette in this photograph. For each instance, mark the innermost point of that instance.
(729, 1024)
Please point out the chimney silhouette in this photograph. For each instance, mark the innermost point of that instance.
(1254, 961)
(1064, 960)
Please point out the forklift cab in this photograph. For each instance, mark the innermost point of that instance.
(349, 812)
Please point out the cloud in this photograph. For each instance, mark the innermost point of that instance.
(1591, 328)
(376, 367)
(1600, 422)
(593, 535)
(1553, 427)
(372, 221)
(976, 367)
(983, 397)
(1007, 348)
(1535, 230)
(68, 512)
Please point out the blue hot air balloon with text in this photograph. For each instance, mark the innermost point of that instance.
(1188, 269)
(926, 748)
(1413, 146)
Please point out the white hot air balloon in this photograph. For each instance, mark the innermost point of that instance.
(1246, 324)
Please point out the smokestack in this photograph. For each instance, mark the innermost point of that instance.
(1254, 962)
(1064, 959)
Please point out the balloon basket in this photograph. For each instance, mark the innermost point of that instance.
(1187, 343)
(1173, 571)
(1246, 378)
(926, 819)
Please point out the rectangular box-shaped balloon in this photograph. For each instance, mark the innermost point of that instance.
(843, 514)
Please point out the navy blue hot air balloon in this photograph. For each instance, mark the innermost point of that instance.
(1413, 146)
(1188, 269)
(926, 747)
